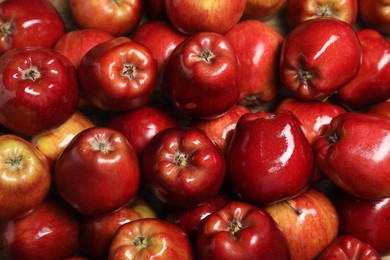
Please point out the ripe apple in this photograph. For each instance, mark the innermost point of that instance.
(97, 232)
(306, 68)
(201, 76)
(150, 238)
(39, 90)
(257, 46)
(269, 158)
(25, 177)
(381, 108)
(182, 167)
(50, 232)
(191, 17)
(309, 222)
(298, 11)
(354, 152)
(118, 18)
(367, 220)
(75, 44)
(370, 85)
(118, 74)
(140, 125)
(52, 143)
(29, 23)
(240, 231)
(98, 172)
(346, 247)
(220, 130)
(262, 9)
(374, 13)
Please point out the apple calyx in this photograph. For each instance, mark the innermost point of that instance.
(140, 242)
(206, 55)
(333, 138)
(180, 159)
(31, 74)
(324, 11)
(234, 226)
(295, 209)
(14, 163)
(130, 71)
(7, 28)
(303, 76)
(102, 143)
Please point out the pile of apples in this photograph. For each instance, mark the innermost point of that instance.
(194, 129)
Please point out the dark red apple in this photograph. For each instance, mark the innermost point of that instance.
(155, 9)
(381, 108)
(262, 9)
(374, 14)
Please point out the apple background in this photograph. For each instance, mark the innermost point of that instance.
(312, 115)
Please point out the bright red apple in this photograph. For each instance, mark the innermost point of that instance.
(98, 172)
(309, 222)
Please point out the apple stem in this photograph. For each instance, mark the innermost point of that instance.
(234, 226)
(206, 55)
(295, 209)
(7, 28)
(304, 76)
(181, 159)
(14, 163)
(130, 71)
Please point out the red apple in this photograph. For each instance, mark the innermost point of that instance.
(118, 75)
(381, 108)
(262, 9)
(374, 13)
(118, 18)
(346, 247)
(39, 90)
(182, 167)
(140, 125)
(50, 232)
(309, 222)
(298, 11)
(370, 85)
(52, 143)
(269, 158)
(29, 23)
(25, 177)
(367, 220)
(201, 76)
(257, 46)
(240, 231)
(150, 238)
(98, 172)
(191, 17)
(220, 130)
(354, 152)
(76, 43)
(97, 232)
(314, 61)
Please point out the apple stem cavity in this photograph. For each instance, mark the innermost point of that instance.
(102, 144)
(140, 242)
(7, 29)
(31, 74)
(181, 159)
(14, 163)
(206, 55)
(304, 76)
(234, 226)
(295, 209)
(129, 70)
(333, 138)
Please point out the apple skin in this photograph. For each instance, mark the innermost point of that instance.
(309, 222)
(346, 247)
(220, 130)
(262, 9)
(201, 76)
(97, 232)
(118, 74)
(305, 68)
(50, 232)
(269, 158)
(240, 231)
(75, 44)
(381, 108)
(370, 85)
(25, 177)
(192, 17)
(298, 11)
(257, 46)
(374, 13)
(39, 90)
(29, 23)
(367, 220)
(182, 167)
(118, 18)
(52, 143)
(150, 238)
(363, 141)
(98, 159)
